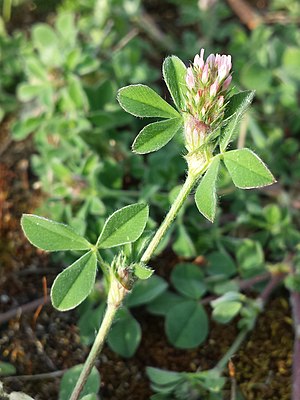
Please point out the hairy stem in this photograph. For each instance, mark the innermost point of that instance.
(95, 350)
(188, 185)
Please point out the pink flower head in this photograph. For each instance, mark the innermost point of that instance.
(207, 83)
(190, 79)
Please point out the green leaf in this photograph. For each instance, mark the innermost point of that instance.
(247, 170)
(6, 369)
(237, 106)
(91, 396)
(220, 263)
(65, 25)
(89, 323)
(125, 335)
(161, 377)
(141, 271)
(188, 280)
(156, 135)
(174, 72)
(21, 129)
(187, 325)
(75, 283)
(250, 257)
(205, 197)
(256, 76)
(162, 304)
(47, 44)
(290, 61)
(226, 311)
(70, 378)
(124, 226)
(141, 101)
(183, 244)
(145, 291)
(27, 91)
(50, 235)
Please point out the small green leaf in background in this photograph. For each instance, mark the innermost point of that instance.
(75, 283)
(290, 61)
(256, 76)
(205, 197)
(247, 170)
(70, 378)
(237, 106)
(91, 396)
(125, 334)
(145, 291)
(250, 257)
(162, 303)
(154, 136)
(89, 323)
(160, 377)
(220, 263)
(6, 369)
(141, 101)
(50, 235)
(186, 325)
(47, 44)
(66, 27)
(21, 129)
(183, 244)
(226, 311)
(124, 226)
(188, 280)
(142, 271)
(174, 72)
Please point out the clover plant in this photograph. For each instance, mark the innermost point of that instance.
(206, 115)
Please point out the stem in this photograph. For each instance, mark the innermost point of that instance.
(95, 350)
(191, 179)
(232, 350)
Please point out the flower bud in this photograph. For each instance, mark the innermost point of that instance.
(213, 90)
(190, 79)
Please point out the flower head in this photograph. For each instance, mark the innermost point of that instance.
(207, 85)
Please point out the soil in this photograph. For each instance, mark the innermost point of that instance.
(50, 342)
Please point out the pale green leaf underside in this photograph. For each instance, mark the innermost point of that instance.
(156, 135)
(174, 72)
(205, 197)
(142, 101)
(237, 106)
(75, 283)
(50, 235)
(247, 170)
(224, 312)
(124, 226)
